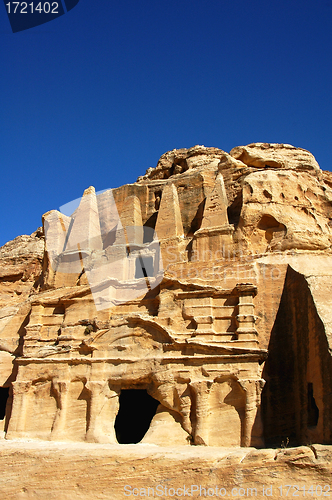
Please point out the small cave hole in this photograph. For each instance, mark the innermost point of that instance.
(268, 222)
(234, 210)
(179, 167)
(267, 194)
(271, 227)
(4, 394)
(313, 411)
(137, 409)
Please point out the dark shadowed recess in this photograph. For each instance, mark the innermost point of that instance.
(137, 409)
(4, 393)
(296, 399)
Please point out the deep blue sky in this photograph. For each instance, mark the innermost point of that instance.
(96, 96)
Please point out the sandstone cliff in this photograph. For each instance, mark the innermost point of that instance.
(200, 294)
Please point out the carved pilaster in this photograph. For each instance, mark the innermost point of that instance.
(201, 390)
(16, 428)
(183, 391)
(103, 409)
(61, 389)
(246, 318)
(253, 390)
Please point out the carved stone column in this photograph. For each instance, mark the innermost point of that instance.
(184, 405)
(61, 389)
(103, 409)
(16, 428)
(253, 390)
(201, 390)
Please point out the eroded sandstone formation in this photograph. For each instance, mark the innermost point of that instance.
(203, 288)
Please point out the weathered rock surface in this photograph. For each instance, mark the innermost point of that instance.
(264, 155)
(62, 471)
(20, 269)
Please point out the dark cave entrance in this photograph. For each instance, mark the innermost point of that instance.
(137, 409)
(4, 394)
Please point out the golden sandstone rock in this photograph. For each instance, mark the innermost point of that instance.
(189, 308)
